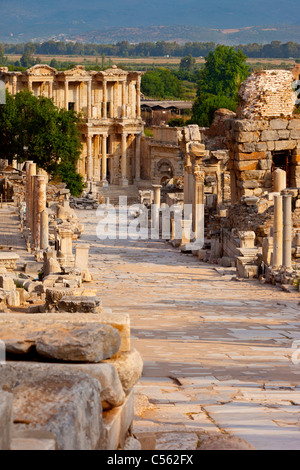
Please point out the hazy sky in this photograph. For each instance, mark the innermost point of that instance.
(206, 13)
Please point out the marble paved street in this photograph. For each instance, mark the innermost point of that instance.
(217, 352)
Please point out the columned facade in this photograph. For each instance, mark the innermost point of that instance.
(110, 104)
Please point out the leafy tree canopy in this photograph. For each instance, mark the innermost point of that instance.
(161, 83)
(34, 128)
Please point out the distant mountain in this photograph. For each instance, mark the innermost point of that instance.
(24, 20)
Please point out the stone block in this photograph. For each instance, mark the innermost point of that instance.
(6, 419)
(285, 145)
(80, 304)
(250, 156)
(117, 423)
(112, 393)
(33, 268)
(13, 298)
(33, 440)
(265, 164)
(245, 165)
(8, 260)
(121, 322)
(66, 337)
(7, 283)
(252, 175)
(284, 134)
(269, 135)
(295, 134)
(247, 137)
(277, 124)
(261, 147)
(129, 366)
(66, 404)
(248, 184)
(294, 124)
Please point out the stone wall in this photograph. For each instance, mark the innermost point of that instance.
(252, 147)
(267, 94)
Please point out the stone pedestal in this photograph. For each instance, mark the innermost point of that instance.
(247, 239)
(82, 261)
(267, 250)
(65, 255)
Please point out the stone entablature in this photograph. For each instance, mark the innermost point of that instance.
(110, 103)
(257, 148)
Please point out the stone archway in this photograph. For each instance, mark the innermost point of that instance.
(165, 170)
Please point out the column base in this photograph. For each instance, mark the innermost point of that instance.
(104, 183)
(124, 182)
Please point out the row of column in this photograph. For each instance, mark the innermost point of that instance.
(90, 158)
(89, 97)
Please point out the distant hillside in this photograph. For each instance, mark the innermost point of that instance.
(226, 21)
(183, 34)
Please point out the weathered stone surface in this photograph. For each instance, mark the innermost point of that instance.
(247, 137)
(66, 404)
(112, 393)
(278, 124)
(132, 444)
(269, 135)
(284, 134)
(285, 145)
(81, 304)
(225, 443)
(129, 366)
(33, 439)
(117, 423)
(120, 321)
(294, 124)
(6, 401)
(245, 165)
(295, 134)
(250, 156)
(176, 440)
(67, 337)
(7, 283)
(9, 260)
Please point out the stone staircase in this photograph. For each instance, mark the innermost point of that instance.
(113, 192)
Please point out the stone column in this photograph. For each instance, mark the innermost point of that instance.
(40, 185)
(66, 95)
(50, 90)
(279, 180)
(198, 207)
(32, 173)
(44, 230)
(28, 191)
(89, 98)
(123, 99)
(156, 206)
(124, 181)
(104, 161)
(89, 158)
(287, 231)
(29, 84)
(138, 158)
(138, 98)
(277, 232)
(104, 99)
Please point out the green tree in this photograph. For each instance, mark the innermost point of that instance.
(224, 70)
(27, 59)
(35, 128)
(3, 58)
(187, 63)
(161, 83)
